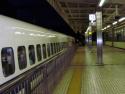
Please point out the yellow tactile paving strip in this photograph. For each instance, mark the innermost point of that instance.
(62, 87)
(72, 79)
(75, 84)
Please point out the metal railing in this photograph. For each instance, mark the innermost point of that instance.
(41, 79)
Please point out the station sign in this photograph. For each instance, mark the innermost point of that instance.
(92, 17)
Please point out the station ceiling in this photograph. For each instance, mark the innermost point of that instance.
(76, 12)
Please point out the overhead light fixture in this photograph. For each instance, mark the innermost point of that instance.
(122, 19)
(103, 29)
(108, 26)
(114, 23)
(86, 32)
(101, 3)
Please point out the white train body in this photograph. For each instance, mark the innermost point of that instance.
(14, 33)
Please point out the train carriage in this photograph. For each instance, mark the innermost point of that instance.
(24, 46)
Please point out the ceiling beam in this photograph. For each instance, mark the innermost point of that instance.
(79, 18)
(80, 1)
(56, 5)
(81, 9)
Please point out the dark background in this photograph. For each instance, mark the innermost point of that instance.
(37, 12)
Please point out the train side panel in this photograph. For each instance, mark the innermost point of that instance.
(14, 34)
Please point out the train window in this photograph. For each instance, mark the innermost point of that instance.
(22, 57)
(48, 49)
(44, 51)
(8, 63)
(57, 47)
(52, 48)
(32, 55)
(39, 54)
(62, 45)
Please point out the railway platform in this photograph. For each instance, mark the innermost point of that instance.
(84, 76)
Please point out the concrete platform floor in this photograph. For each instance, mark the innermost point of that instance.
(85, 77)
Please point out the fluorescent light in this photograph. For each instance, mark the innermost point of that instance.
(108, 26)
(114, 23)
(88, 28)
(102, 29)
(101, 3)
(105, 28)
(122, 19)
(86, 32)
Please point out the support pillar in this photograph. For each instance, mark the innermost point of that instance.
(113, 36)
(99, 38)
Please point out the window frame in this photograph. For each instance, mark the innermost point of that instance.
(48, 50)
(9, 67)
(44, 51)
(32, 54)
(39, 58)
(52, 51)
(20, 67)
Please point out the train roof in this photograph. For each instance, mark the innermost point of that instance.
(17, 25)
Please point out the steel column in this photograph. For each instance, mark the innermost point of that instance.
(99, 38)
(113, 37)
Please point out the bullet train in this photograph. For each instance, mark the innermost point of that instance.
(24, 46)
